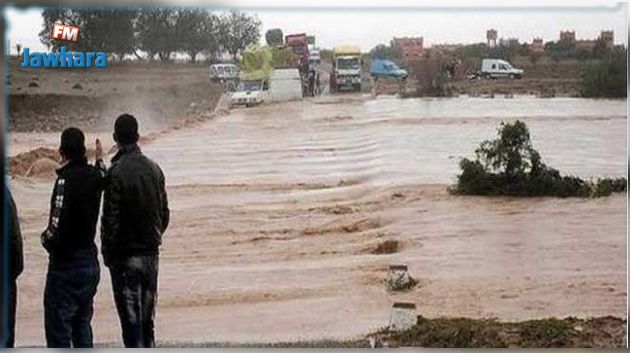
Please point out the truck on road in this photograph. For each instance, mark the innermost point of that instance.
(299, 44)
(346, 69)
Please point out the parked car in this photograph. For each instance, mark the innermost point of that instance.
(497, 68)
(386, 68)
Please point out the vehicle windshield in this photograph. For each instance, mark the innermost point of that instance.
(249, 86)
(348, 63)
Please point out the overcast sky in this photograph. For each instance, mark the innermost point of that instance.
(368, 27)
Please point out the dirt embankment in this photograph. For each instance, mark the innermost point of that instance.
(39, 161)
(158, 95)
(162, 97)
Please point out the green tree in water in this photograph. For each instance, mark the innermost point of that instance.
(509, 165)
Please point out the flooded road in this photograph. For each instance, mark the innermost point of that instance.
(277, 211)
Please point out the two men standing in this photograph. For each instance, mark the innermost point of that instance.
(135, 215)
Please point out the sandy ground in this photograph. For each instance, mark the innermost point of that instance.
(276, 211)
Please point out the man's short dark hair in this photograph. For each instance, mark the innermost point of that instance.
(126, 129)
(72, 144)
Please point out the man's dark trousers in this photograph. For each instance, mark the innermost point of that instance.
(134, 280)
(68, 301)
(10, 341)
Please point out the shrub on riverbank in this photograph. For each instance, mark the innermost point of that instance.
(607, 78)
(509, 165)
(605, 331)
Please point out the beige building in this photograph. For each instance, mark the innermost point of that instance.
(567, 36)
(538, 46)
(410, 47)
(608, 37)
(491, 37)
(585, 45)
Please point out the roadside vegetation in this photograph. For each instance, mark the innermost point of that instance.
(608, 77)
(570, 332)
(509, 165)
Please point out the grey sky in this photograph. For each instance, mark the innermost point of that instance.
(367, 28)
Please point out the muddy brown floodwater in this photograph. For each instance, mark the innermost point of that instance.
(277, 210)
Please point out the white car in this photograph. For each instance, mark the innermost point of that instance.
(250, 93)
(496, 68)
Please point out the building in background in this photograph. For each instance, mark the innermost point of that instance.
(508, 42)
(538, 47)
(585, 45)
(491, 37)
(445, 48)
(567, 37)
(410, 47)
(608, 37)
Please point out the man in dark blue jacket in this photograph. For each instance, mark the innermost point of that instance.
(135, 215)
(73, 270)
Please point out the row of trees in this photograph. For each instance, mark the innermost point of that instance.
(157, 33)
(561, 50)
(510, 50)
(607, 77)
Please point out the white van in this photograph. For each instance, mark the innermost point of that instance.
(286, 85)
(496, 68)
(250, 93)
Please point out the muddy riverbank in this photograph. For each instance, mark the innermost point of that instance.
(159, 95)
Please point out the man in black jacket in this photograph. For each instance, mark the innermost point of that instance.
(135, 215)
(73, 270)
(16, 265)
